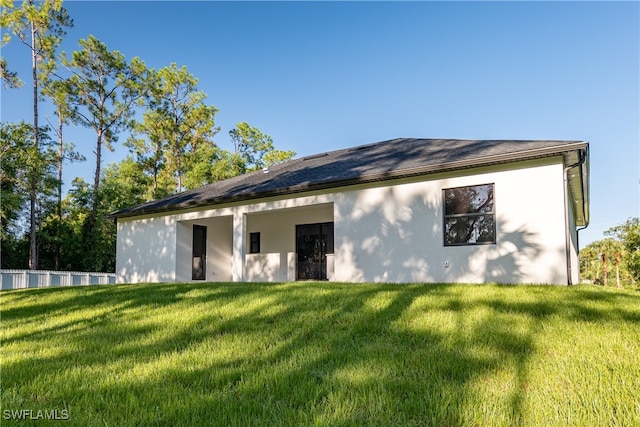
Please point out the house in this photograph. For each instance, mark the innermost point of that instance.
(403, 210)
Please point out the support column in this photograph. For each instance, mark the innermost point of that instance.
(239, 246)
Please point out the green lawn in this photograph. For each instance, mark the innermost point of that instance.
(321, 354)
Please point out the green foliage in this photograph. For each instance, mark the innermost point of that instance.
(175, 125)
(175, 138)
(124, 184)
(91, 239)
(256, 148)
(101, 95)
(323, 354)
(172, 148)
(9, 79)
(14, 141)
(628, 234)
(275, 157)
(38, 25)
(15, 252)
(23, 167)
(616, 256)
(208, 163)
(102, 89)
(79, 240)
(24, 170)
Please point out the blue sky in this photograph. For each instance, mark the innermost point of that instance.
(323, 76)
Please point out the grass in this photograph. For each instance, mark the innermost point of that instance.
(321, 354)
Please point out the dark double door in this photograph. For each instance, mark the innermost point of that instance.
(313, 243)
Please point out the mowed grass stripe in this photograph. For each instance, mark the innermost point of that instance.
(322, 354)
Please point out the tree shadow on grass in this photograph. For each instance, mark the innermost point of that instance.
(297, 354)
(114, 300)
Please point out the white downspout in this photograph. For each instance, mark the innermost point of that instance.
(567, 232)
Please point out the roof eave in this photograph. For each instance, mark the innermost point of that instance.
(382, 176)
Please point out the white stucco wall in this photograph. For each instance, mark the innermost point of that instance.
(145, 250)
(395, 233)
(389, 233)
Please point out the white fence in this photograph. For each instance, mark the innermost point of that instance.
(19, 279)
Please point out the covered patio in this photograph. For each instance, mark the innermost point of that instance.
(257, 244)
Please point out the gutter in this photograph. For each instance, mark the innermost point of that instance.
(567, 232)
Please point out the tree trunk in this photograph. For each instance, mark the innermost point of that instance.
(618, 258)
(33, 183)
(155, 182)
(179, 175)
(59, 206)
(604, 270)
(96, 177)
(89, 228)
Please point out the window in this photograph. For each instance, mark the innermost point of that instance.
(469, 215)
(254, 243)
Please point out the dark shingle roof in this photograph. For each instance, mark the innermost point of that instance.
(402, 157)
